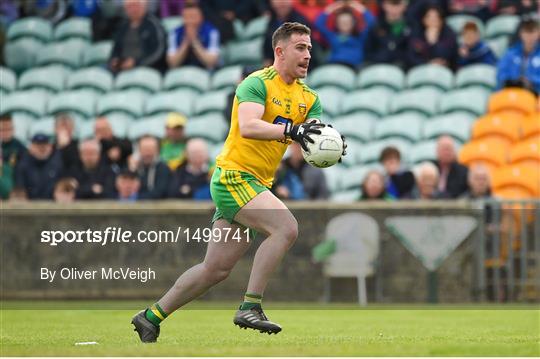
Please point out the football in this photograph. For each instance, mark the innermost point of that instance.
(326, 149)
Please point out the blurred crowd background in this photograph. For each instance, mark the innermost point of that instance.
(205, 47)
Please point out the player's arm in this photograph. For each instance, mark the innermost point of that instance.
(252, 126)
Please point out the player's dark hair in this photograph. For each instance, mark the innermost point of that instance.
(285, 31)
(389, 153)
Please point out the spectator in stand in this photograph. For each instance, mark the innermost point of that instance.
(373, 187)
(9, 12)
(281, 11)
(153, 173)
(287, 185)
(452, 179)
(139, 41)
(65, 190)
(115, 150)
(52, 10)
(310, 9)
(127, 186)
(515, 7)
(39, 168)
(6, 179)
(433, 42)
(313, 179)
(347, 42)
(12, 148)
(479, 8)
(194, 43)
(388, 39)
(192, 178)
(398, 181)
(222, 13)
(520, 65)
(94, 178)
(65, 143)
(417, 8)
(426, 175)
(174, 143)
(479, 183)
(473, 50)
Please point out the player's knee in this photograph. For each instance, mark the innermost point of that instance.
(290, 231)
(216, 274)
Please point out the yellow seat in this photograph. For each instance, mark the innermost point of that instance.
(504, 126)
(490, 152)
(515, 99)
(526, 152)
(523, 179)
(530, 126)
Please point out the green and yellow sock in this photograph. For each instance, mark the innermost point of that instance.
(155, 314)
(251, 300)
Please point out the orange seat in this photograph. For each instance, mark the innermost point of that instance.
(531, 126)
(524, 179)
(503, 126)
(526, 152)
(511, 193)
(490, 152)
(513, 98)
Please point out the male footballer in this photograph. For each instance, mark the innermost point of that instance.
(271, 107)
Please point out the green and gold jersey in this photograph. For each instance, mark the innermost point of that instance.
(282, 103)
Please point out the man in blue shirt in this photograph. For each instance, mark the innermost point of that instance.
(194, 43)
(520, 65)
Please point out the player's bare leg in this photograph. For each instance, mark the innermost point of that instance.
(221, 257)
(267, 214)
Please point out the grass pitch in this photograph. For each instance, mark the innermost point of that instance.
(321, 330)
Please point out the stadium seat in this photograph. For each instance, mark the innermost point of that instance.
(522, 177)
(50, 78)
(82, 102)
(67, 53)
(208, 127)
(349, 196)
(44, 126)
(332, 75)
(371, 151)
(354, 148)
(502, 25)
(8, 80)
(423, 151)
(382, 75)
(128, 102)
(187, 76)
(333, 176)
(353, 177)
(95, 78)
(423, 100)
(30, 27)
(472, 100)
(215, 150)
(457, 125)
(211, 117)
(97, 54)
(331, 98)
(499, 45)
(405, 126)
(430, 75)
(245, 52)
(31, 102)
(21, 125)
(142, 78)
(374, 101)
(477, 75)
(490, 153)
(174, 101)
(153, 126)
(504, 127)
(526, 152)
(21, 54)
(74, 27)
(255, 28)
(215, 101)
(456, 22)
(120, 125)
(357, 126)
(227, 77)
(513, 99)
(530, 126)
(171, 23)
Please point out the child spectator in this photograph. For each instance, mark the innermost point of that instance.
(373, 187)
(473, 50)
(398, 181)
(127, 186)
(347, 42)
(65, 190)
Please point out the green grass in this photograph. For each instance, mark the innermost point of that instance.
(319, 331)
